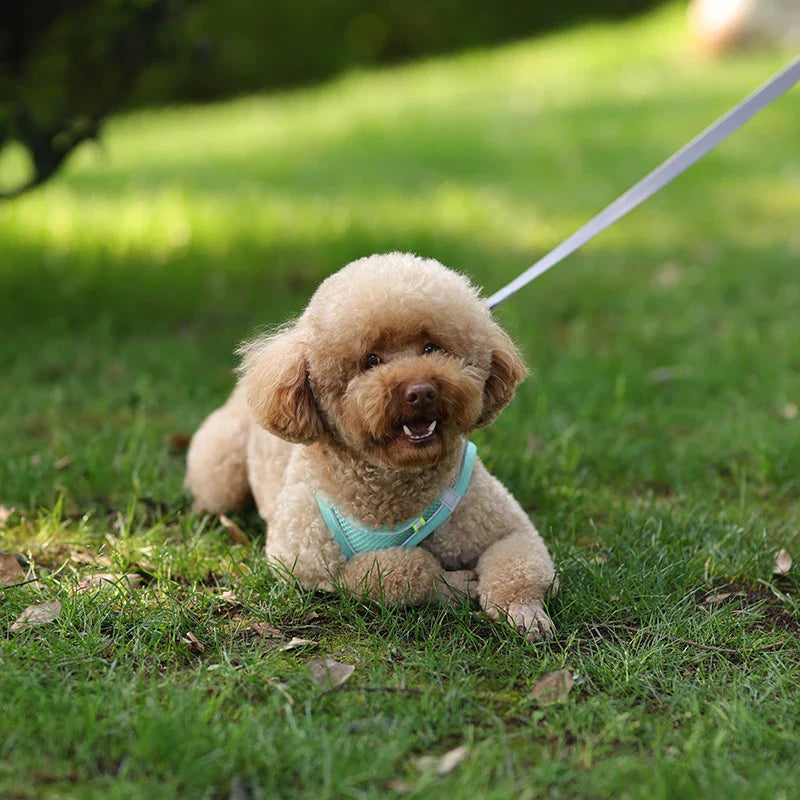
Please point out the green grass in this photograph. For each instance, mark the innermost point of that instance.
(654, 444)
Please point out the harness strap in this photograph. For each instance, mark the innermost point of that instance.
(353, 537)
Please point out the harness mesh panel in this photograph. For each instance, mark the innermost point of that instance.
(361, 540)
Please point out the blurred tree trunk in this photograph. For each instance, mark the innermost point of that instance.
(64, 67)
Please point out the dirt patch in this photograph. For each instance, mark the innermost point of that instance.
(742, 596)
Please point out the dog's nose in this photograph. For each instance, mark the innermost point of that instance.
(421, 395)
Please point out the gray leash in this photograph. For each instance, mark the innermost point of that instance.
(659, 177)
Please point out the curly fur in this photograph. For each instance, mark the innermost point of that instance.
(388, 341)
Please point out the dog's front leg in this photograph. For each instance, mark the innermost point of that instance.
(406, 576)
(515, 574)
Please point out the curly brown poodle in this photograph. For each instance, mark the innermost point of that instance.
(349, 425)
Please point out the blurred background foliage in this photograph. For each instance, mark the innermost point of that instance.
(64, 67)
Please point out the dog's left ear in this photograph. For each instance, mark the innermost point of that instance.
(507, 372)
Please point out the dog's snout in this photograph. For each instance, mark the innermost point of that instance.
(421, 395)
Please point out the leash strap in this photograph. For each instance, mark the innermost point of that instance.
(659, 177)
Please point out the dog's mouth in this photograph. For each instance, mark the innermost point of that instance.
(419, 432)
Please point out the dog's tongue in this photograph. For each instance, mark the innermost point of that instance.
(418, 428)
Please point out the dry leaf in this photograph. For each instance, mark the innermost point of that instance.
(295, 643)
(131, 580)
(229, 597)
(329, 671)
(597, 560)
(789, 411)
(783, 563)
(177, 442)
(10, 570)
(236, 533)
(266, 630)
(195, 645)
(442, 765)
(721, 597)
(552, 687)
(39, 614)
(63, 463)
(5, 514)
(85, 557)
(397, 785)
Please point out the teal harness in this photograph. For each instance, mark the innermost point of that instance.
(355, 538)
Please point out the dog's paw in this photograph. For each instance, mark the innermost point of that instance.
(453, 585)
(529, 619)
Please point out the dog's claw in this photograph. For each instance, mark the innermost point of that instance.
(530, 619)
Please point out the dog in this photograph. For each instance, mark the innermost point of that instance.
(349, 425)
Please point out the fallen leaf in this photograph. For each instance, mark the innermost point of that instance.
(5, 514)
(10, 570)
(444, 764)
(552, 687)
(63, 463)
(326, 671)
(236, 533)
(789, 411)
(85, 557)
(131, 580)
(721, 597)
(195, 645)
(39, 614)
(597, 560)
(266, 630)
(229, 597)
(783, 563)
(397, 785)
(177, 442)
(295, 643)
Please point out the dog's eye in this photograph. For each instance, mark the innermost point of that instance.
(372, 360)
(431, 347)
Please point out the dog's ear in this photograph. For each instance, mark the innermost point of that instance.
(274, 372)
(507, 371)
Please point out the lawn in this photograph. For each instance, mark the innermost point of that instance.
(656, 443)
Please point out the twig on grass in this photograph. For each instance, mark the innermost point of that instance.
(688, 642)
(24, 583)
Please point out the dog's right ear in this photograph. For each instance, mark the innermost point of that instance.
(274, 372)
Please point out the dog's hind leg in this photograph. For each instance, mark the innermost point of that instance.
(216, 464)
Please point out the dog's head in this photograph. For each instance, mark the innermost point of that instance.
(395, 358)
